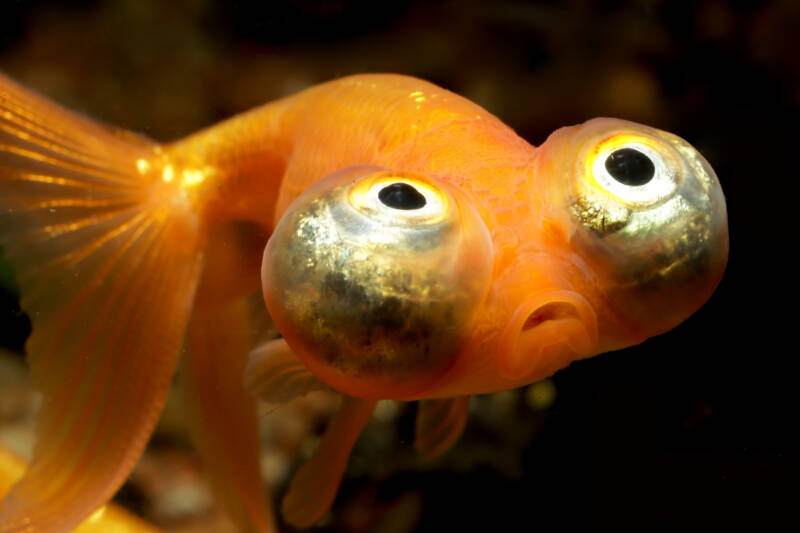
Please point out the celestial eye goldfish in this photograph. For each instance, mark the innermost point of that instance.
(416, 249)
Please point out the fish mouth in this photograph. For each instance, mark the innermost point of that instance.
(544, 320)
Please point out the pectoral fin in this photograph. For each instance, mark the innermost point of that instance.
(315, 484)
(439, 425)
(274, 374)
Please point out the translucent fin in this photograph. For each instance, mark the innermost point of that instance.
(109, 518)
(439, 425)
(107, 259)
(315, 484)
(223, 415)
(274, 374)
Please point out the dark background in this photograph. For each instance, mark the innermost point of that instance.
(691, 431)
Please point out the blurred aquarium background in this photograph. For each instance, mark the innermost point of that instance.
(694, 430)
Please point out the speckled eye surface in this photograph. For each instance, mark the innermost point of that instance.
(632, 183)
(372, 276)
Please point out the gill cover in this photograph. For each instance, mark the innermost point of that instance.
(373, 275)
(649, 217)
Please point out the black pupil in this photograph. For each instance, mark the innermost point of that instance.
(401, 196)
(630, 167)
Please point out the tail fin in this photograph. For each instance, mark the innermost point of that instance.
(107, 257)
(108, 518)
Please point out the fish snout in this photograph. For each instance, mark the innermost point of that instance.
(547, 331)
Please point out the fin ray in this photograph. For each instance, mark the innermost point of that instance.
(44, 159)
(30, 178)
(48, 143)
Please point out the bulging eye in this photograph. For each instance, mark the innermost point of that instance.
(636, 171)
(372, 276)
(648, 215)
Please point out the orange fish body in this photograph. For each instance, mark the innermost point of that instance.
(418, 250)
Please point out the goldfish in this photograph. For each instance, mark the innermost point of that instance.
(408, 245)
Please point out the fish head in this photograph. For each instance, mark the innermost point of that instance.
(646, 219)
(395, 284)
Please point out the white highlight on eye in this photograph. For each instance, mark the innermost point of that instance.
(664, 182)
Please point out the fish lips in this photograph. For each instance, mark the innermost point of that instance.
(547, 331)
